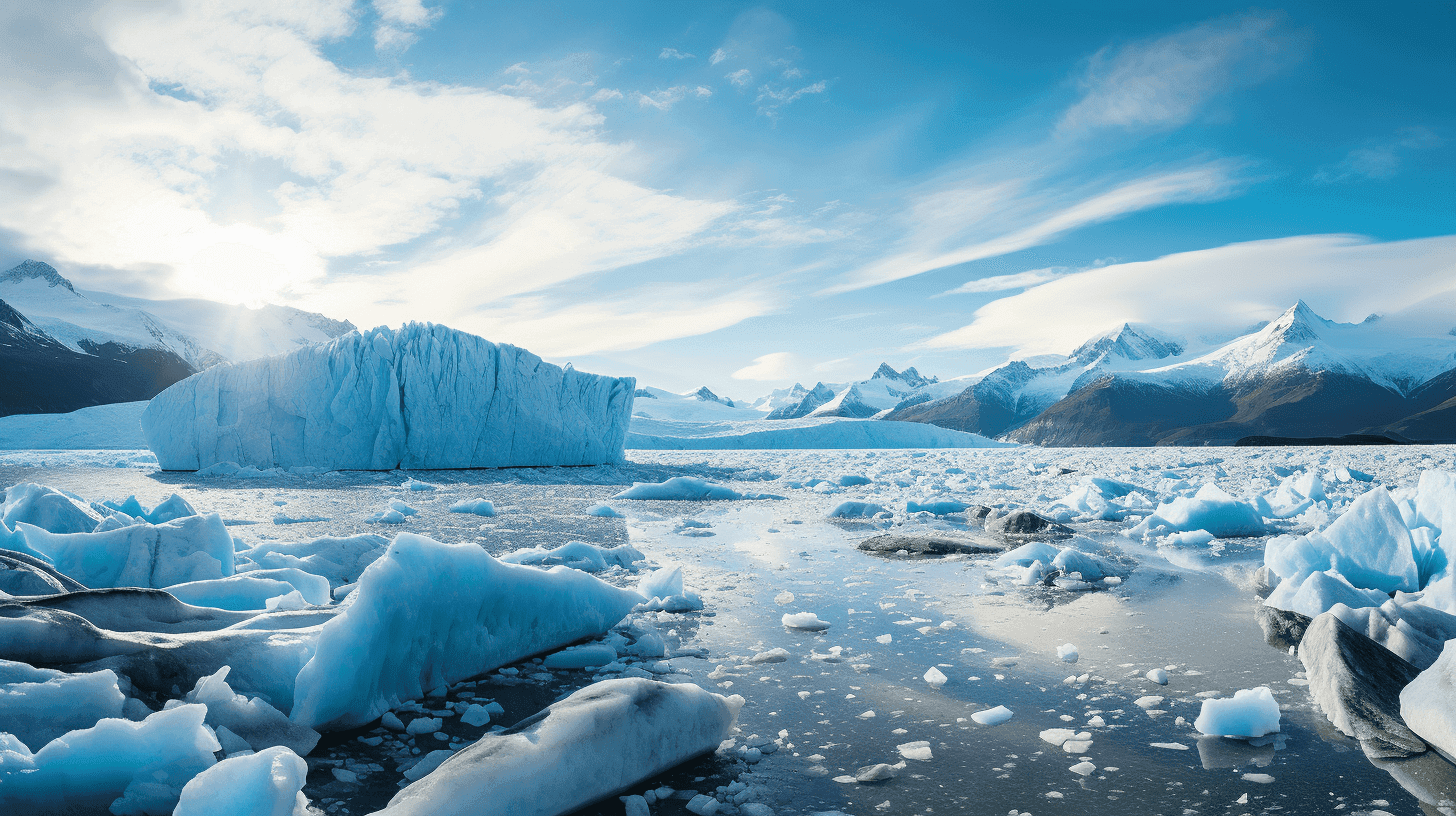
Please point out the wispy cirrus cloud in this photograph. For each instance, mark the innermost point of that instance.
(673, 53)
(999, 216)
(1001, 283)
(666, 98)
(1164, 82)
(1379, 160)
(779, 365)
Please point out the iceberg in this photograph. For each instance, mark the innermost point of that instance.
(38, 705)
(46, 508)
(1249, 713)
(1368, 544)
(422, 396)
(600, 740)
(428, 614)
(1209, 509)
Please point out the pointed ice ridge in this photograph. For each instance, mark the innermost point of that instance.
(28, 268)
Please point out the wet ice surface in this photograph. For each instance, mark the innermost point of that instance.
(1188, 610)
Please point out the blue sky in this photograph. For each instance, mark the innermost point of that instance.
(744, 195)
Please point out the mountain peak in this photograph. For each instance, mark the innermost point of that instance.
(28, 268)
(909, 376)
(1128, 342)
(707, 395)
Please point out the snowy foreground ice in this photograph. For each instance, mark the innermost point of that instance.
(383, 399)
(983, 631)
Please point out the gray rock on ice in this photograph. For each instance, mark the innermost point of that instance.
(1357, 683)
(422, 396)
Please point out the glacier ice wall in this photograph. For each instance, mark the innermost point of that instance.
(422, 396)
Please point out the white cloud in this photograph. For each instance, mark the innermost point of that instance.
(673, 53)
(1001, 283)
(606, 95)
(155, 139)
(997, 218)
(779, 365)
(740, 78)
(1225, 290)
(628, 321)
(398, 21)
(773, 98)
(664, 99)
(1380, 160)
(1165, 81)
(718, 56)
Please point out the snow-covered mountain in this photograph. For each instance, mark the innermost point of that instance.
(885, 389)
(42, 375)
(1298, 376)
(701, 405)
(1008, 396)
(201, 332)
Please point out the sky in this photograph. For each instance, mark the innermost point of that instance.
(743, 195)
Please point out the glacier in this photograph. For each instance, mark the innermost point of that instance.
(422, 396)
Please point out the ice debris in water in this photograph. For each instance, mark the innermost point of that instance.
(807, 621)
(685, 488)
(477, 506)
(935, 677)
(919, 750)
(1249, 713)
(1209, 509)
(992, 716)
(856, 509)
(1159, 676)
(578, 555)
(1067, 652)
(603, 511)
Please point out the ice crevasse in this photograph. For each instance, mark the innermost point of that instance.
(421, 396)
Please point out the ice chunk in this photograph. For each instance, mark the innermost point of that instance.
(174, 507)
(1089, 566)
(581, 657)
(479, 507)
(422, 396)
(46, 508)
(1249, 713)
(603, 738)
(807, 621)
(1158, 676)
(1209, 509)
(603, 511)
(856, 509)
(427, 614)
(1413, 631)
(919, 750)
(1368, 544)
(255, 721)
(578, 555)
(936, 507)
(1067, 652)
(128, 767)
(992, 716)
(935, 677)
(341, 560)
(191, 548)
(1027, 554)
(1318, 592)
(1425, 703)
(267, 783)
(680, 488)
(251, 590)
(38, 705)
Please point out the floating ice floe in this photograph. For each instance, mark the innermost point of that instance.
(428, 614)
(603, 511)
(479, 507)
(267, 783)
(385, 399)
(578, 555)
(252, 590)
(664, 591)
(936, 507)
(190, 548)
(856, 509)
(686, 488)
(38, 705)
(993, 716)
(1209, 509)
(807, 621)
(118, 765)
(1249, 713)
(603, 738)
